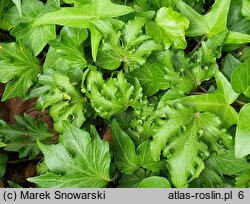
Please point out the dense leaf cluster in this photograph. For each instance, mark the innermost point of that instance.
(168, 79)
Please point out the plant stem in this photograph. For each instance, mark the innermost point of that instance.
(18, 161)
(240, 102)
(199, 43)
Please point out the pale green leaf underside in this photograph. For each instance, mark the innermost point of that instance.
(154, 182)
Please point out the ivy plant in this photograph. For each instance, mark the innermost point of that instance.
(167, 81)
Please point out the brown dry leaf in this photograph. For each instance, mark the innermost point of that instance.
(1, 184)
(29, 171)
(107, 135)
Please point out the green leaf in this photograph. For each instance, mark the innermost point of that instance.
(113, 96)
(3, 160)
(132, 180)
(243, 180)
(236, 21)
(78, 161)
(18, 5)
(228, 164)
(184, 140)
(4, 24)
(208, 178)
(179, 139)
(154, 77)
(96, 38)
(24, 30)
(246, 8)
(55, 62)
(146, 157)
(169, 28)
(154, 182)
(132, 47)
(81, 16)
(70, 47)
(22, 136)
(18, 68)
(237, 38)
(67, 105)
(240, 80)
(212, 23)
(13, 184)
(126, 158)
(217, 102)
(242, 137)
(229, 64)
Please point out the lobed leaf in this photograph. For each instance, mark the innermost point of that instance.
(78, 161)
(169, 28)
(22, 136)
(217, 102)
(18, 68)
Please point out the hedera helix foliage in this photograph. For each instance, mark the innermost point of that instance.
(168, 78)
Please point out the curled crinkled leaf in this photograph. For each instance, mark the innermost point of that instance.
(175, 138)
(183, 128)
(112, 96)
(57, 93)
